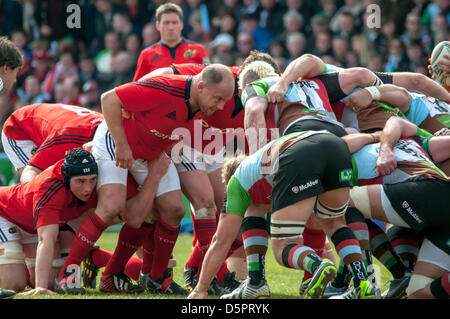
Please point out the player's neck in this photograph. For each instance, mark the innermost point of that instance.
(171, 44)
(193, 100)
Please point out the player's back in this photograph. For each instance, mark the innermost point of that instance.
(39, 122)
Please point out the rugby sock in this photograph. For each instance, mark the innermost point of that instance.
(100, 257)
(349, 252)
(196, 257)
(300, 257)
(133, 268)
(357, 223)
(314, 238)
(89, 231)
(130, 239)
(406, 244)
(148, 247)
(256, 242)
(382, 250)
(165, 238)
(205, 230)
(440, 287)
(343, 276)
(222, 271)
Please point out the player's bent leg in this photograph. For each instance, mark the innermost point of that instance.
(12, 266)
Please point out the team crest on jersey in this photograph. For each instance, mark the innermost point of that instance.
(189, 53)
(295, 189)
(12, 230)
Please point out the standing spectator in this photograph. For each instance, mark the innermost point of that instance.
(172, 48)
(31, 93)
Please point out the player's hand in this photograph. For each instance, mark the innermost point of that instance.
(124, 156)
(276, 92)
(195, 294)
(386, 162)
(38, 291)
(358, 100)
(159, 165)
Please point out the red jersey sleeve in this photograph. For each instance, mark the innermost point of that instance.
(49, 201)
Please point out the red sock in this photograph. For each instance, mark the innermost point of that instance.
(194, 238)
(89, 231)
(165, 239)
(196, 257)
(205, 230)
(148, 247)
(222, 271)
(133, 268)
(314, 238)
(100, 257)
(130, 239)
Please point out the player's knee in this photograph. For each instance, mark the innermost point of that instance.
(206, 212)
(109, 210)
(11, 252)
(417, 283)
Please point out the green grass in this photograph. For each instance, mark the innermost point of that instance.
(283, 282)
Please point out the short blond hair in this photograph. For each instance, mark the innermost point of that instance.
(230, 166)
(254, 71)
(168, 8)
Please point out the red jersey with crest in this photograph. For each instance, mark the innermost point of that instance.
(42, 201)
(228, 122)
(160, 55)
(54, 128)
(158, 105)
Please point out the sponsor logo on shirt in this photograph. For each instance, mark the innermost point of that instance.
(155, 57)
(345, 175)
(189, 53)
(410, 211)
(172, 115)
(300, 188)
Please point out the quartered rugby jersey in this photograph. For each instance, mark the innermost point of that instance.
(412, 159)
(252, 182)
(304, 99)
(428, 113)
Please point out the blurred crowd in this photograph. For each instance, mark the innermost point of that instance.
(74, 65)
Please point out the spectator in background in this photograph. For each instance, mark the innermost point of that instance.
(304, 7)
(65, 67)
(225, 22)
(19, 38)
(149, 35)
(31, 93)
(361, 47)
(440, 28)
(375, 62)
(319, 23)
(133, 46)
(261, 37)
(355, 8)
(71, 90)
(388, 32)
(122, 66)
(416, 55)
(104, 57)
(293, 22)
(416, 32)
(396, 60)
(90, 97)
(323, 44)
(222, 49)
(271, 16)
(245, 44)
(88, 70)
(6, 109)
(329, 9)
(103, 20)
(295, 45)
(340, 48)
(121, 24)
(346, 27)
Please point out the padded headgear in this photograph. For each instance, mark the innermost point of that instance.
(78, 162)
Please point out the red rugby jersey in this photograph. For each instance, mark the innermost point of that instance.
(54, 128)
(43, 201)
(158, 105)
(160, 55)
(227, 121)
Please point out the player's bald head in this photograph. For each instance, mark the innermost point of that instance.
(216, 73)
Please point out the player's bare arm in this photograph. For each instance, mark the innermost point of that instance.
(307, 65)
(112, 111)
